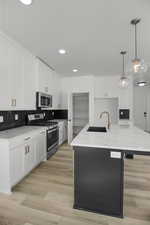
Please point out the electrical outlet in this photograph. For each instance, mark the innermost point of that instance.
(115, 155)
(1, 119)
(16, 117)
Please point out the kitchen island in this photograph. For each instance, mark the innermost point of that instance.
(99, 167)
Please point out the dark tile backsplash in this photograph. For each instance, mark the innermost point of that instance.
(10, 122)
(60, 114)
(9, 119)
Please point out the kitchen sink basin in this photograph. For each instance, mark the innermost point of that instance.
(97, 129)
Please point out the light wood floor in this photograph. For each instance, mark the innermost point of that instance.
(45, 197)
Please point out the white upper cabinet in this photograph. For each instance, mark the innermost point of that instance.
(43, 77)
(17, 76)
(15, 67)
(48, 82)
(11, 75)
(5, 101)
(29, 81)
(55, 85)
(21, 75)
(41, 147)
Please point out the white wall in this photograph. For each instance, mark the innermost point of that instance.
(98, 87)
(2, 10)
(108, 86)
(78, 84)
(106, 104)
(141, 96)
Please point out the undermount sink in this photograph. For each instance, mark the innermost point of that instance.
(97, 129)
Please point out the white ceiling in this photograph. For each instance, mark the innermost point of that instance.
(92, 31)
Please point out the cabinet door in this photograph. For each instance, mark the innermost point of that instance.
(43, 77)
(16, 164)
(29, 77)
(65, 131)
(26, 159)
(61, 132)
(5, 100)
(41, 147)
(29, 155)
(15, 66)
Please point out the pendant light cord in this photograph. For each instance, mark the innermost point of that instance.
(135, 41)
(135, 22)
(123, 66)
(123, 62)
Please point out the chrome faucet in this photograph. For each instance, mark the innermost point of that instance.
(108, 118)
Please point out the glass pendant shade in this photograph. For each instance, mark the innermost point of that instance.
(137, 65)
(124, 82)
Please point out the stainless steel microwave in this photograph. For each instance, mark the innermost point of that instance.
(43, 100)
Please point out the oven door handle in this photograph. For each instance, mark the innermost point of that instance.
(52, 146)
(50, 131)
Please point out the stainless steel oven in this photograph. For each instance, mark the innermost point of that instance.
(43, 100)
(52, 141)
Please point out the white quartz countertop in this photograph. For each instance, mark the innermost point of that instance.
(59, 120)
(20, 131)
(118, 137)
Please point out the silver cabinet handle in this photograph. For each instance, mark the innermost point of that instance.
(26, 149)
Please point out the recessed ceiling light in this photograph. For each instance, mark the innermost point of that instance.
(75, 70)
(26, 2)
(142, 84)
(62, 51)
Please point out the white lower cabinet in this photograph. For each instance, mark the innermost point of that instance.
(26, 156)
(41, 147)
(62, 124)
(16, 164)
(29, 154)
(61, 127)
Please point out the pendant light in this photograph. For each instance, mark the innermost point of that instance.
(137, 65)
(124, 82)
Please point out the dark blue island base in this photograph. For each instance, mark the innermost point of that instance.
(98, 181)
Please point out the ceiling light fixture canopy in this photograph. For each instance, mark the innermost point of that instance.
(137, 65)
(26, 2)
(124, 82)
